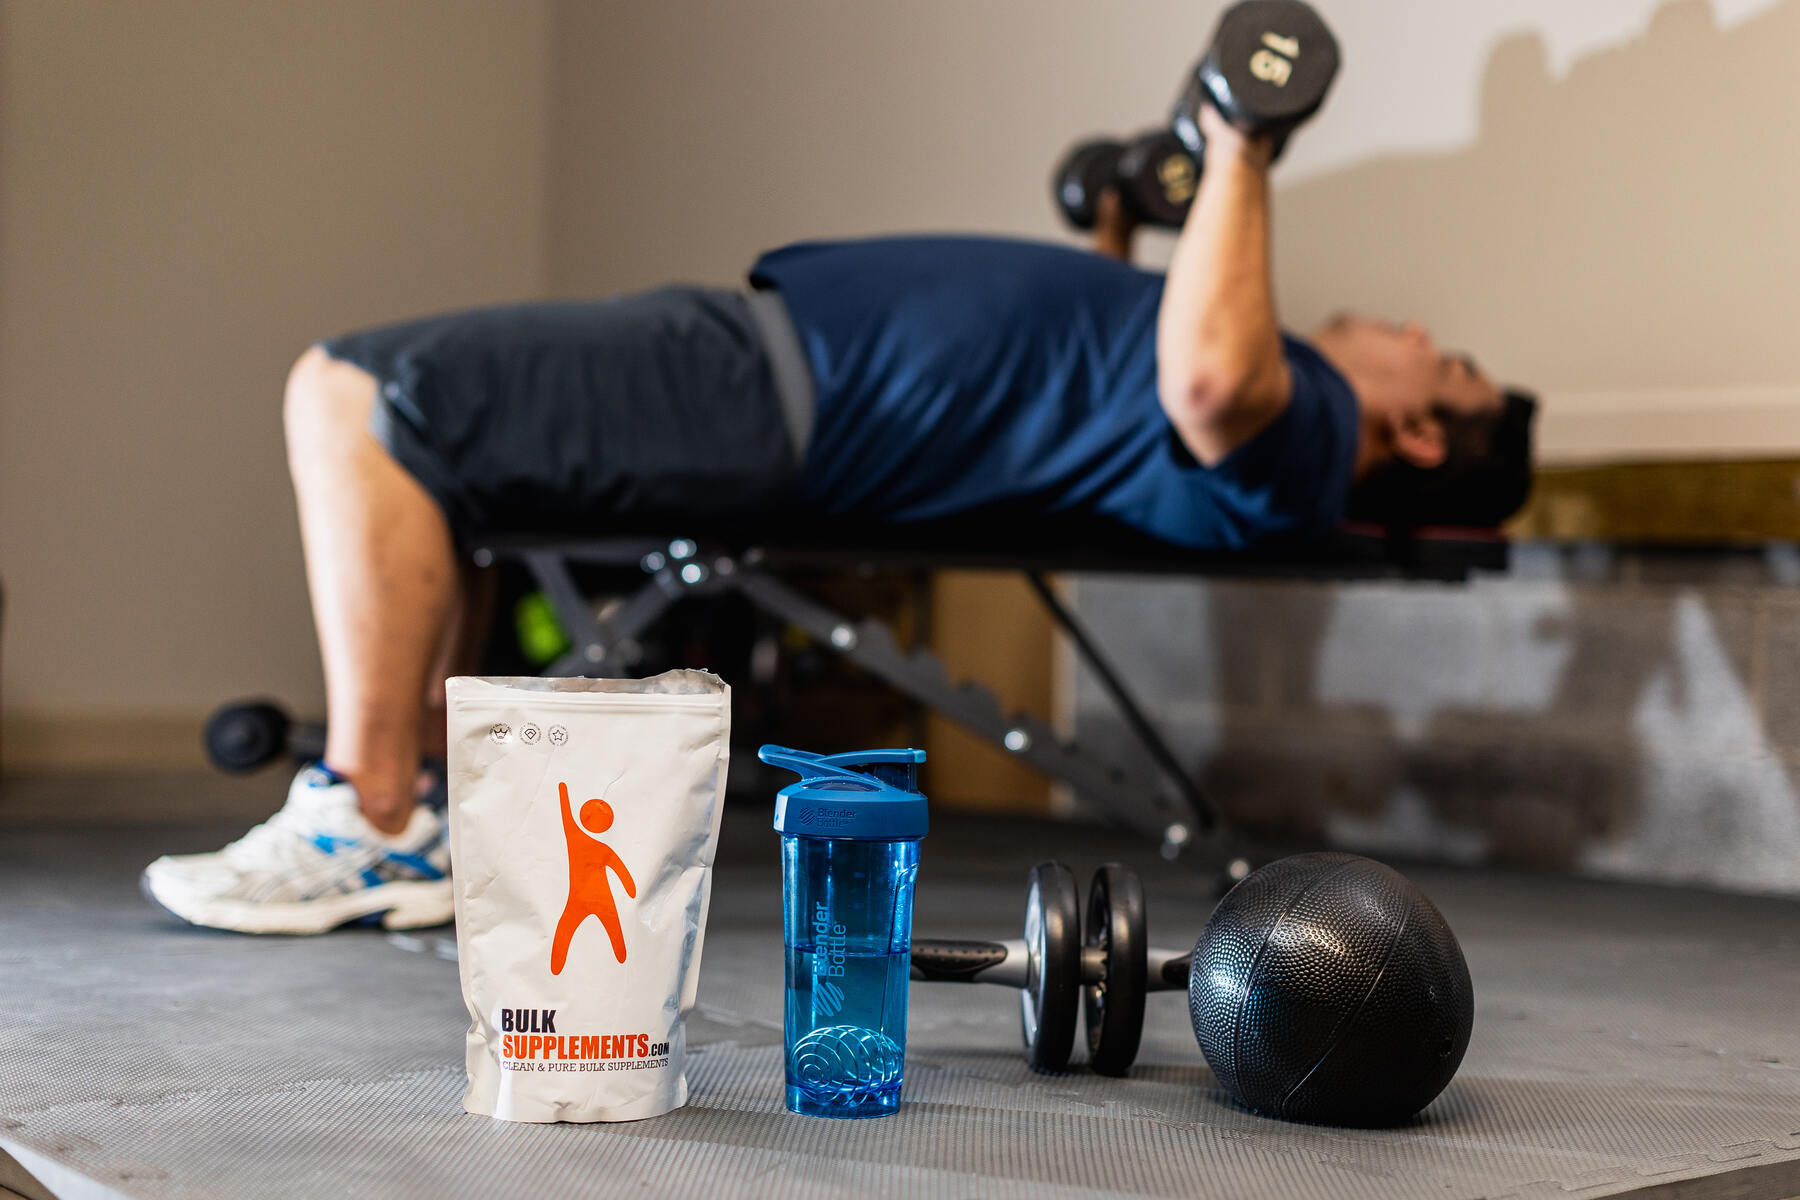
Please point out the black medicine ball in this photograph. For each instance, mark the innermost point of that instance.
(1327, 988)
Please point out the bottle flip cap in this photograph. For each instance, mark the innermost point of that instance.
(866, 795)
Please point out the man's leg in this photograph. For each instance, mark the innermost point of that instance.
(459, 653)
(675, 400)
(382, 571)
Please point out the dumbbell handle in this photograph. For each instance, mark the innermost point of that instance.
(1168, 970)
(954, 960)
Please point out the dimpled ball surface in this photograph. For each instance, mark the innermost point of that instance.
(1327, 988)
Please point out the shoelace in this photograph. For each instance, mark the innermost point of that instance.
(284, 840)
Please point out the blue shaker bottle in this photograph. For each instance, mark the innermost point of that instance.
(850, 831)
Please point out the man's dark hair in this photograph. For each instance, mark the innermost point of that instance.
(1484, 479)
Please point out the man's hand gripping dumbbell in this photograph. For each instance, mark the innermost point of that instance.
(1267, 71)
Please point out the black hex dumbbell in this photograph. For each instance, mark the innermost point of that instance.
(1267, 70)
(248, 734)
(1154, 174)
(1102, 969)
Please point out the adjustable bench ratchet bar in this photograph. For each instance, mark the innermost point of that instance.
(682, 566)
(1202, 810)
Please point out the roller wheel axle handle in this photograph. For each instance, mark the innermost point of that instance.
(958, 960)
(1062, 974)
(1168, 970)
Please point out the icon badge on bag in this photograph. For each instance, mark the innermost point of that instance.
(529, 734)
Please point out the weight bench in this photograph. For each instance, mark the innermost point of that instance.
(1166, 803)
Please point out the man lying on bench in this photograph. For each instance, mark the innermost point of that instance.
(872, 382)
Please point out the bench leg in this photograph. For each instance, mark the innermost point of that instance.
(1205, 816)
(601, 648)
(1188, 823)
(921, 675)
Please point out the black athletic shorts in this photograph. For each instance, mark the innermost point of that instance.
(649, 413)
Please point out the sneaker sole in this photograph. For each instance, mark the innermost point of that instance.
(408, 905)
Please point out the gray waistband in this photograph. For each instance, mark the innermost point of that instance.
(787, 363)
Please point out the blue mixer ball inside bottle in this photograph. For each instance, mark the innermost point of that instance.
(850, 831)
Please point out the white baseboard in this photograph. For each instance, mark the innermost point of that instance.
(1674, 424)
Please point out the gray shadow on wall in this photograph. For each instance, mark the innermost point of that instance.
(1643, 726)
(1630, 223)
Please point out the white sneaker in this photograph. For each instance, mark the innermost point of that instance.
(313, 866)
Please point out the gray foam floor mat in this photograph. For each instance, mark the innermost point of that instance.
(1626, 1040)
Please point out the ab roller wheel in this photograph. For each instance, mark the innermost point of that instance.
(1047, 1005)
(1044, 964)
(1115, 963)
(1064, 966)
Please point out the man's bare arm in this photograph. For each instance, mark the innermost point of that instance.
(1220, 371)
(1113, 227)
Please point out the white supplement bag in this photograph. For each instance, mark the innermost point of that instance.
(583, 818)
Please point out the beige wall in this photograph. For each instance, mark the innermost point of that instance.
(690, 135)
(1596, 197)
(1620, 233)
(189, 193)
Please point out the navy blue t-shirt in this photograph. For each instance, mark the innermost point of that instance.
(958, 374)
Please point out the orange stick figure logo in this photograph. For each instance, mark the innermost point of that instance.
(590, 894)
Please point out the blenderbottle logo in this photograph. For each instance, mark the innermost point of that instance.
(828, 998)
(828, 963)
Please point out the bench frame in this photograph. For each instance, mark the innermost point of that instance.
(1165, 801)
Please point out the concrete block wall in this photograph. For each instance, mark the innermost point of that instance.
(1645, 725)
